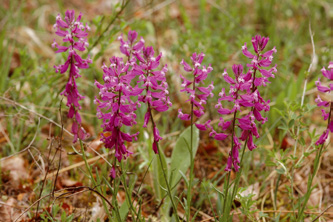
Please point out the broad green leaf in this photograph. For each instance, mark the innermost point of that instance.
(159, 180)
(123, 211)
(180, 158)
(180, 162)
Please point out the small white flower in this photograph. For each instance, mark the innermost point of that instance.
(255, 95)
(240, 79)
(232, 90)
(237, 106)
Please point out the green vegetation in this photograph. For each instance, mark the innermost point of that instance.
(274, 182)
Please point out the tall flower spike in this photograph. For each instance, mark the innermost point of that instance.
(116, 107)
(244, 94)
(327, 115)
(155, 86)
(74, 35)
(197, 94)
(119, 99)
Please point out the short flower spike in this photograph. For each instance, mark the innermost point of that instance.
(74, 35)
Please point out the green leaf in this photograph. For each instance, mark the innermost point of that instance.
(220, 192)
(180, 162)
(302, 141)
(291, 123)
(283, 128)
(180, 158)
(123, 211)
(280, 171)
(184, 177)
(159, 180)
(261, 214)
(279, 111)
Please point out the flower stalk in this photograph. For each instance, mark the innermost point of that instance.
(75, 34)
(244, 93)
(321, 141)
(197, 97)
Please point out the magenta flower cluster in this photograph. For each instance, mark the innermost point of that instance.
(243, 94)
(116, 107)
(155, 87)
(328, 73)
(73, 34)
(197, 95)
(127, 84)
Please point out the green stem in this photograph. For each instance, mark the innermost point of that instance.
(93, 179)
(116, 182)
(161, 162)
(315, 169)
(235, 188)
(297, 133)
(226, 192)
(295, 149)
(115, 202)
(275, 192)
(128, 195)
(189, 190)
(309, 188)
(232, 145)
(239, 173)
(123, 6)
(167, 184)
(292, 187)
